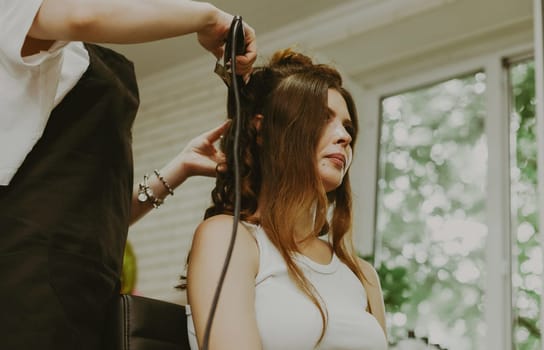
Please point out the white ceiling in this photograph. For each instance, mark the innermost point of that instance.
(364, 37)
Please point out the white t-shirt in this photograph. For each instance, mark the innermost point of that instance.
(30, 87)
(288, 320)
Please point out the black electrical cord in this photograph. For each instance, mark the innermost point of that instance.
(235, 45)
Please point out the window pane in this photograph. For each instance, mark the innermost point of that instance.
(526, 252)
(431, 212)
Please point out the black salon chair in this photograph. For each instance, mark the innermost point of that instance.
(140, 323)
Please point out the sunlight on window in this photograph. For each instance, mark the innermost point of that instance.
(467, 272)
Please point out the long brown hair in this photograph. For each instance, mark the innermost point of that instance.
(279, 162)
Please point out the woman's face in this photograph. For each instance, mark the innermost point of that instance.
(334, 153)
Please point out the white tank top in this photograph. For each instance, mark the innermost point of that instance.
(288, 320)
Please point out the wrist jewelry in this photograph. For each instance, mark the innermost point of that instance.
(145, 194)
(166, 185)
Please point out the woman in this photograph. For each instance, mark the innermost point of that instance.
(294, 280)
(66, 175)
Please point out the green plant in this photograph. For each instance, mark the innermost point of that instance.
(129, 273)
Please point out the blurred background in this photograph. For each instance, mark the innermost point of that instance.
(445, 171)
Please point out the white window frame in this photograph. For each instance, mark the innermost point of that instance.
(538, 13)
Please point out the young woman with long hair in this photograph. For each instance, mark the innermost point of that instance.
(295, 280)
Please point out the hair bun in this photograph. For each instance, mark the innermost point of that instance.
(290, 57)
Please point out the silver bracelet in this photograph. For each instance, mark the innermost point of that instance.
(145, 194)
(166, 185)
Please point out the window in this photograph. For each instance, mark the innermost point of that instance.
(430, 217)
(437, 220)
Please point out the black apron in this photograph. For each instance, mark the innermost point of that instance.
(64, 216)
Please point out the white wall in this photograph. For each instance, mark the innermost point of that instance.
(176, 105)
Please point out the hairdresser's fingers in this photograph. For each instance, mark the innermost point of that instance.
(251, 44)
(244, 63)
(215, 46)
(200, 156)
(214, 134)
(212, 37)
(221, 167)
(219, 52)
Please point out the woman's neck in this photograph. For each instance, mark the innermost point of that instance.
(303, 228)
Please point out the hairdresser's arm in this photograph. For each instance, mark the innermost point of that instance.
(136, 21)
(234, 325)
(374, 292)
(199, 158)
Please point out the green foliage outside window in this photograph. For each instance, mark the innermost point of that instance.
(526, 252)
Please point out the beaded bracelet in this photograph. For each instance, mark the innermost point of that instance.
(166, 185)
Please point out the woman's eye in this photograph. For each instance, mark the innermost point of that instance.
(350, 130)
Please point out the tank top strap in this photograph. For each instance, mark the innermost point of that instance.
(259, 235)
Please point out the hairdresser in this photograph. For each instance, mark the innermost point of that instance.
(66, 175)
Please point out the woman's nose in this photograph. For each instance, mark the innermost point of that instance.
(341, 135)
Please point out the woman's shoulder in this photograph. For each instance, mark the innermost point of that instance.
(218, 226)
(216, 221)
(369, 272)
(223, 223)
(214, 235)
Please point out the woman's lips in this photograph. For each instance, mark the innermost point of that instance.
(337, 159)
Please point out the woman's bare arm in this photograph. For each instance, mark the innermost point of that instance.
(374, 293)
(234, 325)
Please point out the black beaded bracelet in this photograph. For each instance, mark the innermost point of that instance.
(166, 185)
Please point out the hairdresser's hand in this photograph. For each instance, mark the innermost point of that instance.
(213, 38)
(200, 156)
